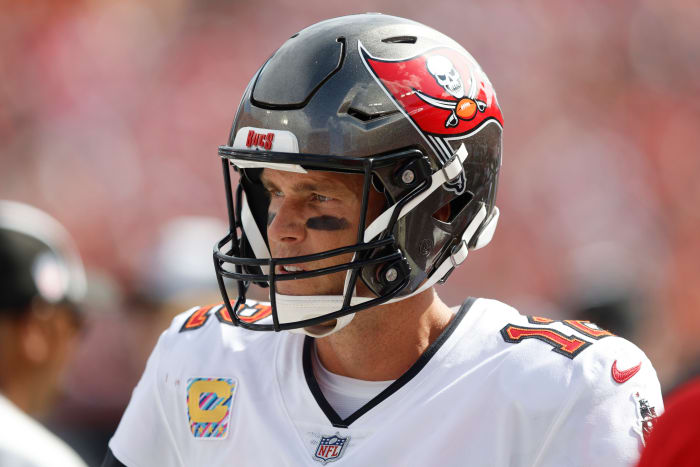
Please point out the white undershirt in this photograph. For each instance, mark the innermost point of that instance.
(345, 395)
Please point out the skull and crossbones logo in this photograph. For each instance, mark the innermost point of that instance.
(447, 76)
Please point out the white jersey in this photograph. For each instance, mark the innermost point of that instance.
(24, 442)
(495, 389)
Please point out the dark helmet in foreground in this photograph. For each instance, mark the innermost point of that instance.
(385, 97)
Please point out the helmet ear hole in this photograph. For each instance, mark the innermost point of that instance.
(450, 210)
(379, 187)
(377, 184)
(443, 214)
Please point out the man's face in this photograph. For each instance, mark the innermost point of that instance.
(310, 213)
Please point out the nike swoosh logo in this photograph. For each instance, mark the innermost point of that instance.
(624, 375)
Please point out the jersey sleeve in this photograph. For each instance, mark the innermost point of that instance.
(143, 437)
(612, 406)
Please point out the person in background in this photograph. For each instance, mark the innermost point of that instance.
(123, 322)
(42, 283)
(676, 435)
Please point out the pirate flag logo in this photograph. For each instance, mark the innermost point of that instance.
(443, 92)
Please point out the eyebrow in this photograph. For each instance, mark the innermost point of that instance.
(306, 186)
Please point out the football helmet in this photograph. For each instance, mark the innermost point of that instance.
(385, 97)
(39, 261)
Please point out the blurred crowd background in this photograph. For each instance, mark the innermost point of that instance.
(111, 113)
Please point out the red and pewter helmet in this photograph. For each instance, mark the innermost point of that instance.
(385, 97)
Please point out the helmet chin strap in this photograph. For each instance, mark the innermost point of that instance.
(294, 308)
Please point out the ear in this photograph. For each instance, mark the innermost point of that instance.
(34, 340)
(34, 333)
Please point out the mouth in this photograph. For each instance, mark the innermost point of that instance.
(288, 269)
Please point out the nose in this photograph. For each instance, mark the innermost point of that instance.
(286, 225)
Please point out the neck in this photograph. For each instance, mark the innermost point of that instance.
(22, 381)
(18, 389)
(383, 342)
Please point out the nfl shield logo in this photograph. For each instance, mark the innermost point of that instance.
(330, 448)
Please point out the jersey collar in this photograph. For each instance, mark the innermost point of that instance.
(423, 360)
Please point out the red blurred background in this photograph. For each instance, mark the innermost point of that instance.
(111, 113)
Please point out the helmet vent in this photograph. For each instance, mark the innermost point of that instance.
(400, 40)
(363, 116)
(291, 77)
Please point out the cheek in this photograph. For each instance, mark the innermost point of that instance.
(328, 232)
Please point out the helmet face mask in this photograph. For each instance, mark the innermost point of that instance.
(369, 255)
(436, 165)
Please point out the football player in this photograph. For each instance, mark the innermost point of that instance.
(42, 284)
(366, 154)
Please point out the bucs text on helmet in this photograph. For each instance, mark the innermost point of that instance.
(388, 98)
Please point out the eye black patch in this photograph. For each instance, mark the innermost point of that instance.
(327, 223)
(270, 217)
